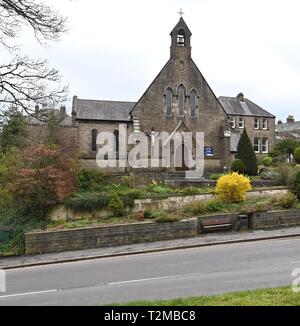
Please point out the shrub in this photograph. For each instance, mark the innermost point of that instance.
(190, 191)
(267, 161)
(195, 208)
(248, 209)
(130, 180)
(116, 205)
(213, 206)
(297, 155)
(296, 186)
(166, 219)
(262, 207)
(139, 216)
(286, 201)
(128, 196)
(87, 202)
(238, 166)
(232, 188)
(153, 214)
(286, 175)
(90, 180)
(161, 189)
(245, 152)
(215, 176)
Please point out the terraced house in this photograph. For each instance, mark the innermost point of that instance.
(178, 100)
(259, 123)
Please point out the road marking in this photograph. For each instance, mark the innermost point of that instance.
(28, 293)
(154, 279)
(295, 262)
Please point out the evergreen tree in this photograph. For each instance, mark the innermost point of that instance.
(13, 130)
(245, 152)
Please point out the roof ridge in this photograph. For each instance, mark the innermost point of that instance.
(110, 101)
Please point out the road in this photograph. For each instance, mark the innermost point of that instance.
(163, 275)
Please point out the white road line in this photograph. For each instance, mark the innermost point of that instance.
(154, 279)
(24, 294)
(295, 262)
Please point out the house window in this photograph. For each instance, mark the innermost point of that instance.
(232, 122)
(193, 100)
(265, 146)
(257, 145)
(181, 100)
(169, 102)
(136, 125)
(94, 140)
(256, 123)
(241, 123)
(265, 124)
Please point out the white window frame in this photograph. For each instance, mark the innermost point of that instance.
(265, 146)
(259, 145)
(256, 124)
(265, 124)
(136, 125)
(232, 122)
(241, 122)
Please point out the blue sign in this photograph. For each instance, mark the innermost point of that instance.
(208, 151)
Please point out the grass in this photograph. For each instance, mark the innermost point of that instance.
(77, 224)
(263, 297)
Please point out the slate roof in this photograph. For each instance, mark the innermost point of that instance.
(233, 106)
(104, 110)
(288, 127)
(64, 120)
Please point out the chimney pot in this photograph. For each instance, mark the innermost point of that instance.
(37, 110)
(240, 97)
(63, 110)
(290, 119)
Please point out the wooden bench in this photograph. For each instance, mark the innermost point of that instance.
(216, 224)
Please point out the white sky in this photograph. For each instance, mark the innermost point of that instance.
(115, 48)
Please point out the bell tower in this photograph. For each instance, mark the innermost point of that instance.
(181, 41)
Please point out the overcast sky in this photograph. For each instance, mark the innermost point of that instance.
(114, 49)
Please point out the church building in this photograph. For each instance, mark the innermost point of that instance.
(179, 100)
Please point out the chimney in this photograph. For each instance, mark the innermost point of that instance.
(240, 97)
(290, 119)
(36, 110)
(74, 109)
(63, 111)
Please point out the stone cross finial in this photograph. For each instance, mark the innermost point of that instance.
(180, 12)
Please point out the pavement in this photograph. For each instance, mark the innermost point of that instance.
(143, 248)
(170, 274)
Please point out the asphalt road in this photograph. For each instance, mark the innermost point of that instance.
(172, 274)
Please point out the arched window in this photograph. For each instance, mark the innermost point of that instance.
(94, 140)
(117, 142)
(169, 101)
(181, 38)
(181, 100)
(193, 101)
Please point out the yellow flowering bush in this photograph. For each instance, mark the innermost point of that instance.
(232, 188)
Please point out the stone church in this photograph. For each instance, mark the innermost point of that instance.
(178, 100)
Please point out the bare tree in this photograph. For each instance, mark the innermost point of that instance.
(25, 82)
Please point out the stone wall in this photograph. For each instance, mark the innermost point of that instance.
(181, 201)
(57, 241)
(271, 220)
(108, 236)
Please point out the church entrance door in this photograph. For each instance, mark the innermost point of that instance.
(182, 154)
